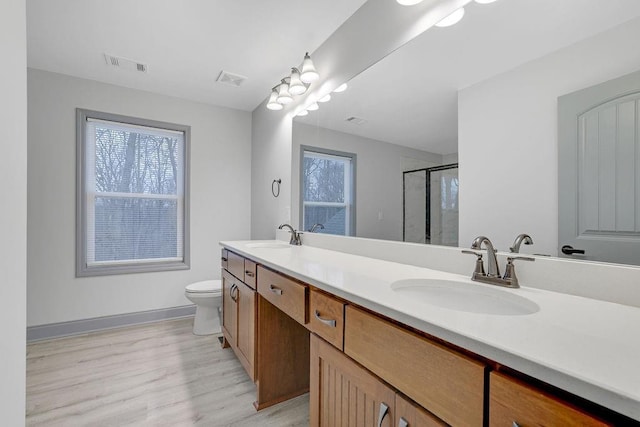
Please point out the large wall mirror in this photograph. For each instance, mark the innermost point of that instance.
(451, 96)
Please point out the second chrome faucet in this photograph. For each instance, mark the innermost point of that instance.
(492, 275)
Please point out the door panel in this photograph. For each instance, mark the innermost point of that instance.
(599, 171)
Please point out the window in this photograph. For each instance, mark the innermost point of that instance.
(328, 191)
(132, 201)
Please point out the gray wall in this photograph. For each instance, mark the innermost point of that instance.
(13, 215)
(508, 144)
(220, 197)
(379, 167)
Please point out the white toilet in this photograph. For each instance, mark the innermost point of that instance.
(207, 296)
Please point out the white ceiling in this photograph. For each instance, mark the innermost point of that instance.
(410, 97)
(184, 43)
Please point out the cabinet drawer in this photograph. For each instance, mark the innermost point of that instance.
(224, 258)
(326, 317)
(446, 383)
(235, 265)
(250, 273)
(513, 402)
(286, 294)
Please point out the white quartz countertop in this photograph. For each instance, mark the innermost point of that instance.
(588, 347)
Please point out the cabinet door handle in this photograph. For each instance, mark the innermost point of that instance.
(384, 410)
(249, 273)
(275, 290)
(224, 259)
(403, 422)
(515, 424)
(234, 296)
(328, 322)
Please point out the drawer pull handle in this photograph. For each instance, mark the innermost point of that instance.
(275, 290)
(234, 296)
(224, 259)
(384, 410)
(403, 422)
(249, 273)
(515, 424)
(328, 322)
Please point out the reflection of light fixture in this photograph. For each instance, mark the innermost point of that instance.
(273, 103)
(296, 83)
(296, 87)
(452, 19)
(284, 97)
(341, 88)
(408, 2)
(313, 107)
(485, 1)
(325, 98)
(303, 113)
(308, 73)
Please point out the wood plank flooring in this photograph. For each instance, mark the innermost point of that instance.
(158, 374)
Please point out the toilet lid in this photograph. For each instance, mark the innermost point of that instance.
(205, 286)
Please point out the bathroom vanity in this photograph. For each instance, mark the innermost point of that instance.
(372, 348)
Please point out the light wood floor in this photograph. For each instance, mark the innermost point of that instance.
(151, 375)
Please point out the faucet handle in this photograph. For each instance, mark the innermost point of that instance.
(511, 259)
(479, 268)
(510, 269)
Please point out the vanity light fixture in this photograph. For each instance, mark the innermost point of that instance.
(325, 98)
(340, 88)
(308, 73)
(284, 97)
(408, 2)
(273, 103)
(313, 107)
(296, 87)
(452, 19)
(297, 83)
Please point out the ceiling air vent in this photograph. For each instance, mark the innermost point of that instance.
(124, 63)
(231, 79)
(355, 120)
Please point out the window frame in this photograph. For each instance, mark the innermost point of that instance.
(352, 188)
(132, 266)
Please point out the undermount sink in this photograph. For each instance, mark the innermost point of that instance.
(268, 245)
(467, 297)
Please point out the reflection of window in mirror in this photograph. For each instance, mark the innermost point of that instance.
(328, 191)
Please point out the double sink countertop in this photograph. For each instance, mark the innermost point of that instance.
(585, 346)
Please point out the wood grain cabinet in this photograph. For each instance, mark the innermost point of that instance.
(409, 414)
(239, 320)
(513, 403)
(342, 393)
(285, 293)
(326, 317)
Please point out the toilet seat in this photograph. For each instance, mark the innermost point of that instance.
(205, 287)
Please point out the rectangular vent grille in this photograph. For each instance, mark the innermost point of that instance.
(231, 79)
(124, 63)
(355, 120)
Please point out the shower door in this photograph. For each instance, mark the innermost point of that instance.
(430, 205)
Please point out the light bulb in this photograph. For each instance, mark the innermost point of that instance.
(303, 113)
(284, 97)
(325, 98)
(313, 107)
(341, 88)
(308, 73)
(452, 19)
(296, 87)
(273, 104)
(485, 1)
(408, 2)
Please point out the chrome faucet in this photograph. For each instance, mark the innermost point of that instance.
(522, 238)
(492, 276)
(492, 262)
(295, 235)
(315, 226)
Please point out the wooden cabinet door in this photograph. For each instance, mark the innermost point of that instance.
(342, 393)
(246, 323)
(229, 308)
(408, 414)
